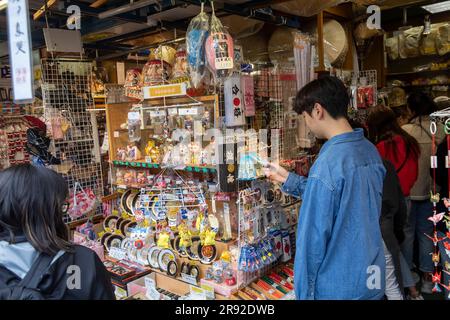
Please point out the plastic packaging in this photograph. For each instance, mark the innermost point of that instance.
(155, 72)
(180, 66)
(409, 42)
(196, 35)
(133, 78)
(219, 48)
(443, 39)
(392, 48)
(428, 43)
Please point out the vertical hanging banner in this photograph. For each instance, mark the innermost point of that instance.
(20, 51)
(234, 104)
(249, 95)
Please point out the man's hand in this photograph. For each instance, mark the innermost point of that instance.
(276, 173)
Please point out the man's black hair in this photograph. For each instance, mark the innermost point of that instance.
(329, 92)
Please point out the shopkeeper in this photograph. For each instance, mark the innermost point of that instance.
(339, 251)
(37, 261)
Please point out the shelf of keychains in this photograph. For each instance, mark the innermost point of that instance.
(437, 237)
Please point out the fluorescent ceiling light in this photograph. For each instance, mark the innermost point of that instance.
(437, 7)
(3, 4)
(125, 8)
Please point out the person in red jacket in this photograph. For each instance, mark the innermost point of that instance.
(402, 150)
(395, 144)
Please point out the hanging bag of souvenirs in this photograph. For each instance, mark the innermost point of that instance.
(82, 202)
(197, 33)
(219, 49)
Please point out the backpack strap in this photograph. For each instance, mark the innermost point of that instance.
(37, 270)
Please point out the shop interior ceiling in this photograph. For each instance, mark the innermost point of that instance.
(115, 28)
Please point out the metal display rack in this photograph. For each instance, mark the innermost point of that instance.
(66, 93)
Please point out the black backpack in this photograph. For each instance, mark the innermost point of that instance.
(26, 289)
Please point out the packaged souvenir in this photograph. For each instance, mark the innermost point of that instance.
(196, 35)
(443, 39)
(180, 66)
(133, 77)
(165, 53)
(219, 49)
(155, 72)
(409, 42)
(392, 48)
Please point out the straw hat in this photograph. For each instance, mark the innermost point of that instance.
(397, 97)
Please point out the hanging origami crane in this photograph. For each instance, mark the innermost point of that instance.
(435, 258)
(447, 248)
(446, 288)
(436, 239)
(436, 277)
(436, 218)
(436, 288)
(434, 197)
(447, 265)
(446, 202)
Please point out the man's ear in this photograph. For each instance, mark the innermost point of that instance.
(318, 112)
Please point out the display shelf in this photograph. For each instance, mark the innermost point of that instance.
(408, 73)
(149, 165)
(425, 85)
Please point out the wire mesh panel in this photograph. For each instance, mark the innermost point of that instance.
(275, 88)
(67, 95)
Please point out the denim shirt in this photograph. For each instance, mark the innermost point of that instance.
(339, 251)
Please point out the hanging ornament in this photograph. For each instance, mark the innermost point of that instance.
(234, 109)
(219, 49)
(196, 35)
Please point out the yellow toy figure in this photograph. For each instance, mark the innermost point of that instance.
(163, 240)
(185, 236)
(226, 256)
(152, 151)
(210, 238)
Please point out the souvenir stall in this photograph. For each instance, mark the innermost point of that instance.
(162, 126)
(191, 215)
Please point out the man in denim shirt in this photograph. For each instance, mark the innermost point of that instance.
(339, 245)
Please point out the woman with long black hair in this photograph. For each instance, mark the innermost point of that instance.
(37, 260)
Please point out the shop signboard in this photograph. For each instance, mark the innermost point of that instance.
(20, 51)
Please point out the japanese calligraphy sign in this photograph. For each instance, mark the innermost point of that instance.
(228, 167)
(20, 51)
(249, 96)
(234, 105)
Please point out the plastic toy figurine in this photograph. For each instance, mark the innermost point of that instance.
(230, 279)
(133, 153)
(121, 154)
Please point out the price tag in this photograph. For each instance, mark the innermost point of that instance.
(149, 283)
(116, 134)
(189, 279)
(120, 293)
(197, 293)
(153, 294)
(223, 63)
(209, 291)
(289, 296)
(117, 253)
(188, 111)
(157, 113)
